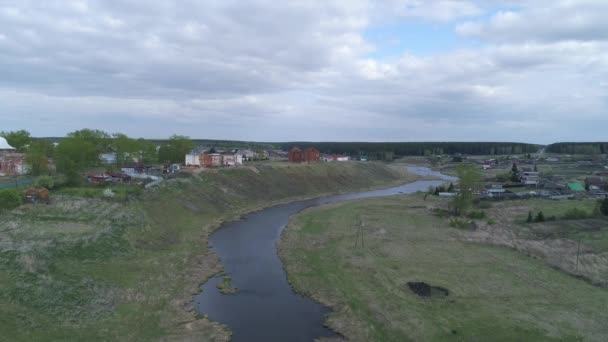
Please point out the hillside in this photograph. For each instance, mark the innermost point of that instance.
(98, 269)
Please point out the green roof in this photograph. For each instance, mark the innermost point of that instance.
(576, 187)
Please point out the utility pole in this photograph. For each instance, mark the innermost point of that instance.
(577, 253)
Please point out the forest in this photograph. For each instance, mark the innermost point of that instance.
(418, 148)
(578, 148)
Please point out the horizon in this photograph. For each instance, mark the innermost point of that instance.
(337, 71)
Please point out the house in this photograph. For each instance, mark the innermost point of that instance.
(232, 159)
(117, 177)
(193, 159)
(595, 181)
(5, 147)
(309, 155)
(247, 154)
(98, 178)
(530, 177)
(108, 158)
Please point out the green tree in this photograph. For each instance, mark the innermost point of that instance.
(99, 139)
(18, 139)
(469, 179)
(604, 207)
(37, 157)
(147, 152)
(529, 217)
(9, 199)
(540, 217)
(175, 149)
(124, 147)
(74, 154)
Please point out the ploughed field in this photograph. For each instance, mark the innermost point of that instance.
(92, 268)
(393, 269)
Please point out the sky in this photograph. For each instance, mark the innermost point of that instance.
(332, 70)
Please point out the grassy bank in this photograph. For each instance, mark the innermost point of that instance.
(90, 268)
(495, 293)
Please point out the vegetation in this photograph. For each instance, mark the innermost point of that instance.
(9, 199)
(470, 182)
(604, 207)
(92, 268)
(578, 148)
(175, 149)
(37, 157)
(418, 148)
(45, 182)
(17, 139)
(494, 293)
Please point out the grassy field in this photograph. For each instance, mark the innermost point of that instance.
(495, 293)
(91, 268)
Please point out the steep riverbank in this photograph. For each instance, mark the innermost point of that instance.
(93, 269)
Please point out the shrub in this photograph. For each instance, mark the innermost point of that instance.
(491, 222)
(529, 217)
(9, 199)
(44, 182)
(484, 205)
(575, 214)
(461, 224)
(540, 217)
(477, 215)
(604, 207)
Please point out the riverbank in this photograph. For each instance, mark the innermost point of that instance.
(94, 269)
(358, 258)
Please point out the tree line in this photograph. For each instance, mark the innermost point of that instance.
(578, 148)
(418, 148)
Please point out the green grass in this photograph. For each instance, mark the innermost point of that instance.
(496, 293)
(90, 268)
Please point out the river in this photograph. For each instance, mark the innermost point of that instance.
(266, 308)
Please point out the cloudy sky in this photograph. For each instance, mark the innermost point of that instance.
(332, 70)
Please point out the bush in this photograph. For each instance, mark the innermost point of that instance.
(540, 217)
(491, 222)
(575, 214)
(9, 199)
(529, 217)
(484, 205)
(461, 224)
(604, 207)
(44, 182)
(478, 215)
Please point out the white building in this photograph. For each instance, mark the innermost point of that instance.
(108, 158)
(192, 159)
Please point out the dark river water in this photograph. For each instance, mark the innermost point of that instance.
(266, 308)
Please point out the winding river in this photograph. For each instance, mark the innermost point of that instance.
(266, 308)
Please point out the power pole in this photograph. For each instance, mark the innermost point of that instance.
(577, 253)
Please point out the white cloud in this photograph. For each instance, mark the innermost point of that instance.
(270, 70)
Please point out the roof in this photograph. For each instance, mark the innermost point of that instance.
(4, 145)
(576, 187)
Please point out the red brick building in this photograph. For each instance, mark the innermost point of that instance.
(309, 155)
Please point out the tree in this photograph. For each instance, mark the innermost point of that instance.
(37, 157)
(9, 199)
(74, 154)
(470, 181)
(124, 147)
(529, 220)
(17, 139)
(514, 168)
(604, 207)
(451, 187)
(540, 217)
(175, 150)
(535, 168)
(99, 139)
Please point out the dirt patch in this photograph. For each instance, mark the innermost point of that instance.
(423, 289)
